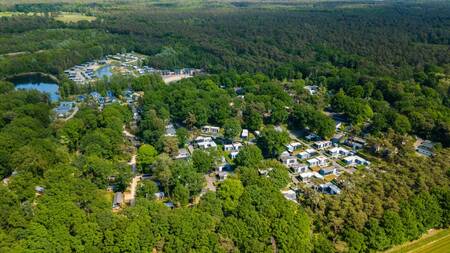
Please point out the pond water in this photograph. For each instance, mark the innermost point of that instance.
(105, 71)
(38, 82)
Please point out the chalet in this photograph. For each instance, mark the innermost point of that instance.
(299, 168)
(355, 160)
(288, 161)
(329, 188)
(291, 147)
(338, 151)
(183, 154)
(212, 130)
(312, 137)
(222, 175)
(170, 130)
(327, 171)
(290, 195)
(237, 146)
(118, 200)
(337, 138)
(244, 134)
(306, 175)
(232, 147)
(310, 152)
(426, 148)
(319, 161)
(228, 147)
(205, 142)
(355, 142)
(322, 144)
(207, 145)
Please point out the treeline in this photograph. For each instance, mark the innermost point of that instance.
(53, 51)
(260, 40)
(24, 23)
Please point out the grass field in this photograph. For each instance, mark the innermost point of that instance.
(66, 17)
(73, 17)
(437, 241)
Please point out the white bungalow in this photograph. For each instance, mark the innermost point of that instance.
(355, 160)
(329, 188)
(210, 130)
(322, 144)
(228, 147)
(290, 195)
(338, 151)
(244, 134)
(318, 161)
(299, 168)
(289, 161)
(310, 152)
(205, 142)
(291, 147)
(307, 175)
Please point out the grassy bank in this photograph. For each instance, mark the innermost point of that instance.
(436, 241)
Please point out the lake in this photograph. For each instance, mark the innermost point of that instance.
(105, 71)
(39, 83)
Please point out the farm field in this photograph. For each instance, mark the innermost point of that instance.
(437, 241)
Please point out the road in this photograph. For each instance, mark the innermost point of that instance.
(132, 163)
(130, 197)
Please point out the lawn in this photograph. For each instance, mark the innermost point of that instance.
(437, 241)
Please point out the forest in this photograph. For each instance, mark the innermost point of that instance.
(384, 68)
